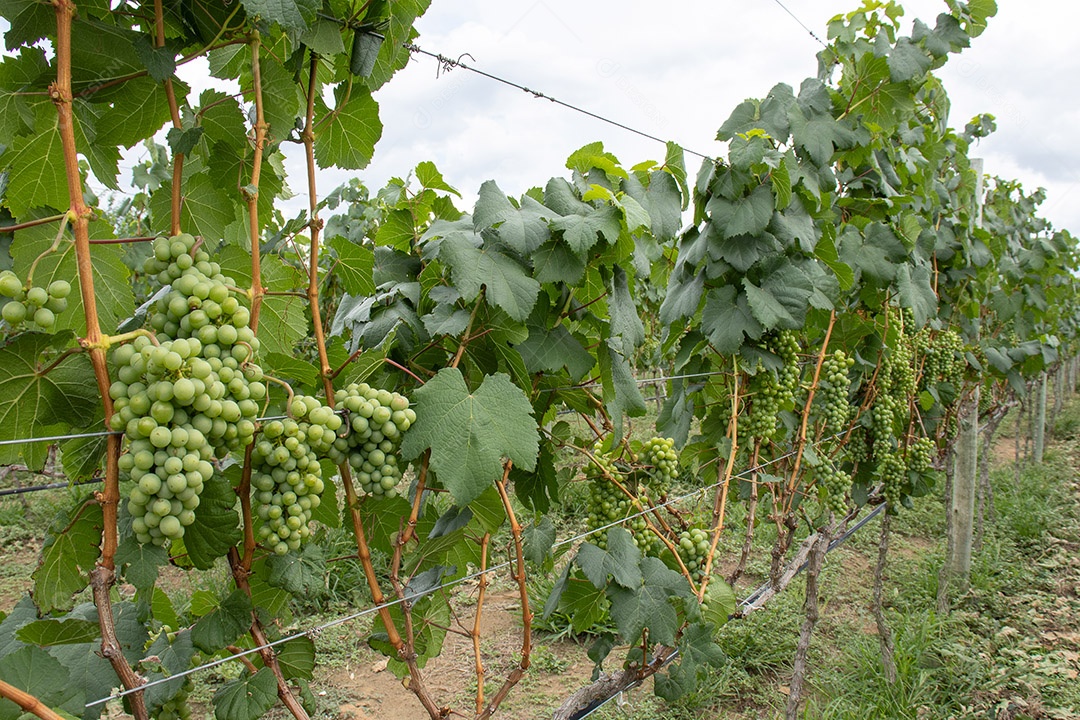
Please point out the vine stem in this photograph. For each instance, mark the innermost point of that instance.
(526, 614)
(751, 514)
(793, 479)
(725, 481)
(174, 112)
(810, 607)
(884, 633)
(468, 329)
(27, 702)
(251, 191)
(32, 223)
(475, 634)
(104, 573)
(363, 550)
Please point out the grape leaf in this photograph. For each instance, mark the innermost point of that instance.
(582, 231)
(224, 624)
(142, 560)
(539, 537)
(347, 140)
(649, 605)
(221, 118)
(297, 658)
(522, 229)
(430, 177)
(552, 350)
(627, 331)
(508, 284)
(206, 209)
(248, 697)
(37, 160)
(585, 604)
(620, 560)
(66, 561)
(300, 573)
(354, 266)
(70, 631)
(748, 215)
(81, 457)
(289, 14)
(217, 524)
(469, 433)
(33, 670)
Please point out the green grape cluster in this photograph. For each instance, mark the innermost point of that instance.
(771, 392)
(943, 357)
(608, 504)
(892, 472)
(834, 485)
(35, 307)
(693, 547)
(371, 435)
(663, 460)
(188, 398)
(834, 390)
(177, 707)
(201, 303)
(920, 455)
(286, 477)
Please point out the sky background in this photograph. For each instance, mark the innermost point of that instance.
(677, 70)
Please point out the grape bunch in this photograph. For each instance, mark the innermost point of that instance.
(201, 303)
(835, 484)
(920, 455)
(177, 708)
(660, 455)
(771, 392)
(693, 547)
(892, 470)
(608, 504)
(36, 307)
(286, 477)
(943, 357)
(834, 371)
(369, 442)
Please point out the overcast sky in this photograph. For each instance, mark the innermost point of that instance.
(676, 70)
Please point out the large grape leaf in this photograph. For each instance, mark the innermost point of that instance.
(347, 139)
(297, 658)
(627, 331)
(649, 604)
(33, 670)
(68, 631)
(620, 560)
(582, 231)
(224, 624)
(67, 559)
(472, 268)
(727, 318)
(289, 14)
(246, 698)
(35, 164)
(552, 350)
(748, 215)
(469, 433)
(142, 561)
(283, 320)
(300, 573)
(523, 229)
(31, 400)
(353, 267)
(217, 524)
(206, 209)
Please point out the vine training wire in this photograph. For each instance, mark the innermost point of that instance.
(314, 632)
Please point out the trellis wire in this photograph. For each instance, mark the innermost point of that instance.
(314, 632)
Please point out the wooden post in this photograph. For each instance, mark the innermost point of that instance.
(1040, 420)
(965, 480)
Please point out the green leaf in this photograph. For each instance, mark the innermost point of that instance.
(383, 517)
(247, 698)
(766, 308)
(182, 141)
(67, 560)
(354, 266)
(622, 396)
(71, 631)
(620, 561)
(37, 160)
(81, 457)
(34, 671)
(217, 524)
(537, 489)
(135, 114)
(522, 229)
(297, 658)
(488, 509)
(430, 177)
(221, 118)
(914, 285)
(555, 262)
(289, 14)
(584, 603)
(205, 210)
(142, 562)
(826, 253)
(907, 61)
(593, 156)
(300, 573)
(727, 319)
(749, 215)
(649, 605)
(625, 325)
(581, 232)
(742, 252)
(288, 367)
(472, 268)
(348, 139)
(552, 350)
(224, 624)
(470, 433)
(324, 38)
(396, 230)
(539, 537)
